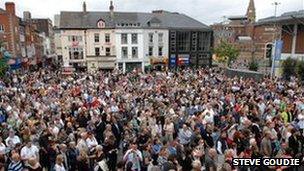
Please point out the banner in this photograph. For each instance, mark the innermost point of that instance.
(173, 60)
(278, 50)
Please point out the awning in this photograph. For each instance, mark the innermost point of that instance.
(158, 60)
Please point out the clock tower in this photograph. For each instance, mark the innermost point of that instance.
(251, 12)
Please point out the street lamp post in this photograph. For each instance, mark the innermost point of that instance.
(274, 38)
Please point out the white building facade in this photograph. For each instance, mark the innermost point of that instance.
(100, 49)
(156, 45)
(73, 48)
(123, 40)
(130, 49)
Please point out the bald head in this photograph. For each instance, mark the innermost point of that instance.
(212, 153)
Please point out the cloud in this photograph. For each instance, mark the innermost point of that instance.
(207, 11)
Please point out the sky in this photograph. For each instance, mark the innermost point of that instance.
(206, 11)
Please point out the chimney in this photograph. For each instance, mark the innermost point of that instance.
(26, 16)
(84, 7)
(10, 7)
(111, 9)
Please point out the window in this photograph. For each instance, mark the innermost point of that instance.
(124, 38)
(203, 41)
(150, 51)
(1, 28)
(75, 53)
(96, 37)
(183, 41)
(134, 38)
(151, 37)
(97, 51)
(75, 38)
(124, 52)
(160, 37)
(160, 51)
(134, 52)
(108, 51)
(107, 38)
(120, 66)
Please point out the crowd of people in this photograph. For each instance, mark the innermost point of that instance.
(189, 120)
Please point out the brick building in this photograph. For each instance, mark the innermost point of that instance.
(291, 32)
(23, 38)
(250, 37)
(45, 26)
(9, 29)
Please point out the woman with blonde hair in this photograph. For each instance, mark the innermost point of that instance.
(59, 166)
(83, 161)
(33, 165)
(169, 129)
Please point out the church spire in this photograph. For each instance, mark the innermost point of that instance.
(111, 9)
(251, 12)
(84, 7)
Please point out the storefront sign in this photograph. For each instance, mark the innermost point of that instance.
(183, 60)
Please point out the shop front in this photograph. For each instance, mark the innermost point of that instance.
(159, 63)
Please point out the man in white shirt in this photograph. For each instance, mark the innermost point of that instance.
(208, 114)
(82, 144)
(12, 139)
(29, 151)
(91, 141)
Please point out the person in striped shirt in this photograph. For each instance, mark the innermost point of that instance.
(16, 163)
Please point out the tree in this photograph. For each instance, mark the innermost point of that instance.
(300, 70)
(289, 68)
(253, 65)
(226, 53)
(3, 60)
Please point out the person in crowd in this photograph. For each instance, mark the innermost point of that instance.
(83, 161)
(211, 160)
(29, 151)
(184, 120)
(72, 154)
(59, 166)
(33, 165)
(266, 148)
(16, 164)
(12, 139)
(133, 157)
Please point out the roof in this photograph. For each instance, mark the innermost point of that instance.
(85, 20)
(2, 10)
(237, 17)
(286, 17)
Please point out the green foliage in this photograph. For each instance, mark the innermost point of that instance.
(226, 53)
(300, 70)
(3, 62)
(253, 65)
(289, 68)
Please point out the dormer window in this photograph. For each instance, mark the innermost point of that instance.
(101, 24)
